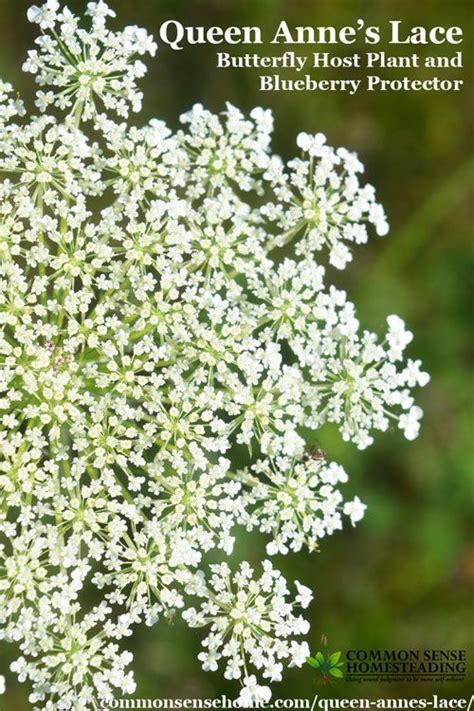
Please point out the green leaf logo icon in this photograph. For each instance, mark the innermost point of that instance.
(327, 665)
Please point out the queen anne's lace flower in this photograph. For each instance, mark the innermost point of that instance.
(147, 338)
(249, 621)
(295, 501)
(321, 200)
(82, 67)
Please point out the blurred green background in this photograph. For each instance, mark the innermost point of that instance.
(402, 578)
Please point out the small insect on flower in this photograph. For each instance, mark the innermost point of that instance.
(314, 452)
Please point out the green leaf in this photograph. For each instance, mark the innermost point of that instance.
(313, 662)
(320, 657)
(336, 672)
(334, 658)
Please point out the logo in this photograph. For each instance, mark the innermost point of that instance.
(435, 665)
(326, 664)
(387, 665)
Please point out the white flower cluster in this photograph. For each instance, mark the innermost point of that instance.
(322, 201)
(147, 329)
(250, 622)
(296, 502)
(80, 67)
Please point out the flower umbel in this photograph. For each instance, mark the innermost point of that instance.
(147, 329)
